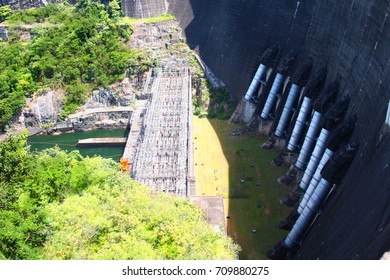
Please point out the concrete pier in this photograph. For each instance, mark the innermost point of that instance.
(102, 142)
(135, 130)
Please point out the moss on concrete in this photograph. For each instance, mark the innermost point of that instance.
(232, 167)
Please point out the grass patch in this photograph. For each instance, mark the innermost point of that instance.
(135, 21)
(232, 167)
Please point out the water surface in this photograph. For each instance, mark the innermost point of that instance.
(68, 141)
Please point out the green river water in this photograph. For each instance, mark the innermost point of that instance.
(68, 141)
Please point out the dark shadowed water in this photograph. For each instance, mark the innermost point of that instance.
(68, 141)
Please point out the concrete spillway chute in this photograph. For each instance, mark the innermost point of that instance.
(162, 156)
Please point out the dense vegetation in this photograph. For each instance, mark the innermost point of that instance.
(209, 101)
(212, 102)
(55, 205)
(76, 48)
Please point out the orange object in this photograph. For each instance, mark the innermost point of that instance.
(124, 165)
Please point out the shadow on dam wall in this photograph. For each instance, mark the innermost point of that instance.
(351, 38)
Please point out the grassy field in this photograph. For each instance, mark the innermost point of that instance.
(221, 162)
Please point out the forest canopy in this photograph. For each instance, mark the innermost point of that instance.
(58, 205)
(75, 48)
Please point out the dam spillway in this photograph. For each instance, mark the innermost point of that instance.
(161, 154)
(159, 146)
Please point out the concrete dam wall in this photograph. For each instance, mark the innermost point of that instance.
(143, 8)
(351, 38)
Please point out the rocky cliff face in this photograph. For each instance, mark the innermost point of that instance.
(104, 109)
(26, 4)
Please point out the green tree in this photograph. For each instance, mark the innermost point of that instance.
(21, 227)
(28, 183)
(56, 205)
(81, 51)
(14, 167)
(128, 221)
(88, 8)
(23, 230)
(114, 9)
(5, 11)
